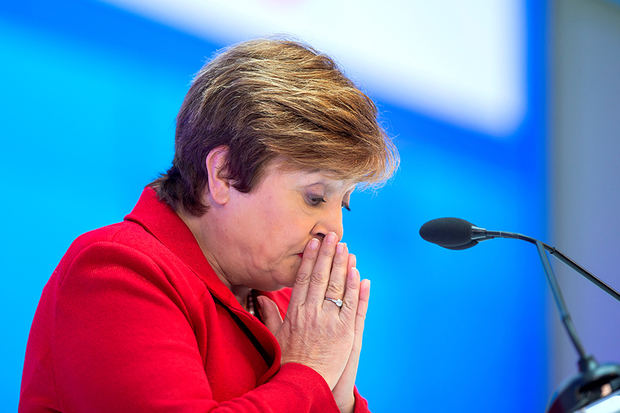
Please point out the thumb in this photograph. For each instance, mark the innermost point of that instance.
(270, 313)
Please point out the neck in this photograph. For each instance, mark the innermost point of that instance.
(199, 228)
(242, 294)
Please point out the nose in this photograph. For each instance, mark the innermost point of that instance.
(330, 221)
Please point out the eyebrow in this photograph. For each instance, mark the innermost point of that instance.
(331, 186)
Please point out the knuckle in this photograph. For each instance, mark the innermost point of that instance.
(353, 284)
(347, 306)
(317, 276)
(339, 265)
(303, 277)
(335, 290)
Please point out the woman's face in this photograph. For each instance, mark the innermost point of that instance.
(266, 230)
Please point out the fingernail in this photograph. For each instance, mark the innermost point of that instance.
(314, 244)
(340, 248)
(331, 237)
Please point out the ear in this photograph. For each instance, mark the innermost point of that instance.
(219, 184)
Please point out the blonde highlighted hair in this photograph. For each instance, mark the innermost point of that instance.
(267, 99)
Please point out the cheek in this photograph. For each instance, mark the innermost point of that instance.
(287, 237)
(266, 235)
(277, 229)
(285, 223)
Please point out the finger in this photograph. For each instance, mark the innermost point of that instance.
(351, 297)
(321, 271)
(300, 289)
(362, 308)
(351, 368)
(338, 276)
(352, 262)
(270, 314)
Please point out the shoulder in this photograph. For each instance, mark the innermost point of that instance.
(126, 233)
(126, 265)
(125, 246)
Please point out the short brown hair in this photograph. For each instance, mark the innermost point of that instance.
(274, 98)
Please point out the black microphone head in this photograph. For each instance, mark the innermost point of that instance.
(452, 233)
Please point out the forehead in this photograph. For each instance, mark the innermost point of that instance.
(286, 174)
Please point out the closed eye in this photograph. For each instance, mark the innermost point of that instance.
(315, 200)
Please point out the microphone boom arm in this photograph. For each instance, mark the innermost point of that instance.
(481, 234)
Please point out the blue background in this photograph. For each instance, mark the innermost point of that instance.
(89, 99)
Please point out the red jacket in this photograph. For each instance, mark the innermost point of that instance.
(134, 319)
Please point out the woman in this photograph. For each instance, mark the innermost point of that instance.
(184, 305)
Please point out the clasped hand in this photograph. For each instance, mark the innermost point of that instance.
(317, 332)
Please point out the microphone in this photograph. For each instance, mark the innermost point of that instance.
(452, 233)
(594, 382)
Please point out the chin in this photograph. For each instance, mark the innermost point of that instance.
(288, 284)
(282, 277)
(283, 282)
(272, 282)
